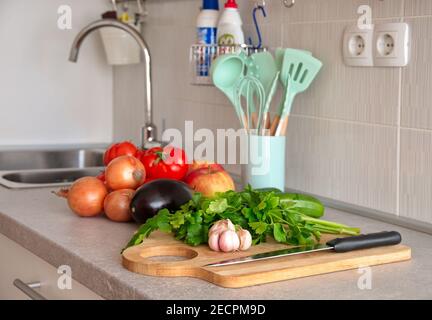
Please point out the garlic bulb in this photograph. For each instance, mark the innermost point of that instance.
(245, 239)
(221, 226)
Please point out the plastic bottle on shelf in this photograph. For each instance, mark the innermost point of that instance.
(230, 25)
(207, 34)
(207, 22)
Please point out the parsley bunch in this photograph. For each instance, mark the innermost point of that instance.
(288, 218)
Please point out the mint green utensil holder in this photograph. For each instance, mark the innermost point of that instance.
(264, 162)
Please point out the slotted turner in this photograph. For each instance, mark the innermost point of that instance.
(301, 69)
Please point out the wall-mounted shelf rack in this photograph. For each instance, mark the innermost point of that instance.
(202, 56)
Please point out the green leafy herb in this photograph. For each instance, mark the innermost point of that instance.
(217, 206)
(288, 218)
(279, 233)
(258, 227)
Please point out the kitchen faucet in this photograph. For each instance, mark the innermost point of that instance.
(148, 132)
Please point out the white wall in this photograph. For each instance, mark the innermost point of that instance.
(45, 99)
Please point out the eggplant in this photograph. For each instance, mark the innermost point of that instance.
(157, 195)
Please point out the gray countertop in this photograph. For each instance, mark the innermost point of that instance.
(43, 224)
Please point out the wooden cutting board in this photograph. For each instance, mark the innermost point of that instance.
(146, 259)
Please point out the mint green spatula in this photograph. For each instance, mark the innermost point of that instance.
(299, 69)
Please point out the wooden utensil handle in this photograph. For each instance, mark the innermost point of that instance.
(265, 124)
(245, 121)
(274, 125)
(282, 127)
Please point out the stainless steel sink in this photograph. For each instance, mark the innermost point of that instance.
(49, 177)
(47, 168)
(50, 159)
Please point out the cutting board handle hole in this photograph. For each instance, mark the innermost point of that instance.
(166, 259)
(168, 254)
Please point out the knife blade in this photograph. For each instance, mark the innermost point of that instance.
(365, 241)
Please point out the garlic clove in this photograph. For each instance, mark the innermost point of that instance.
(245, 239)
(213, 241)
(230, 225)
(229, 241)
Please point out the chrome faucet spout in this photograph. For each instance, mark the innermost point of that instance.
(148, 133)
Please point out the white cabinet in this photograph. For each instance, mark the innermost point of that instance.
(17, 262)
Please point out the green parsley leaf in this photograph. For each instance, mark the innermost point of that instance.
(279, 233)
(259, 227)
(217, 206)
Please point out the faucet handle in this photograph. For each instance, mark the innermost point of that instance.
(148, 136)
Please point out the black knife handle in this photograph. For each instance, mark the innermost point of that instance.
(365, 241)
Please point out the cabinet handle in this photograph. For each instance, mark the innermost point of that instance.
(28, 289)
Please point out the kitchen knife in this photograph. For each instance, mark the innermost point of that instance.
(365, 241)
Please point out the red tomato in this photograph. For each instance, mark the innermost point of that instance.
(116, 150)
(165, 163)
(139, 154)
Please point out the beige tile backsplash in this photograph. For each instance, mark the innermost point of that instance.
(346, 161)
(330, 10)
(417, 77)
(416, 168)
(341, 92)
(359, 135)
(418, 7)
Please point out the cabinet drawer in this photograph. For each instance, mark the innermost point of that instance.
(19, 263)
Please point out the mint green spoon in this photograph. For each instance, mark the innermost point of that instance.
(227, 71)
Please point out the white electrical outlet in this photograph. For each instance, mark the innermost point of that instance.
(357, 46)
(391, 45)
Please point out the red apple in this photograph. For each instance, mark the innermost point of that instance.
(199, 164)
(210, 180)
